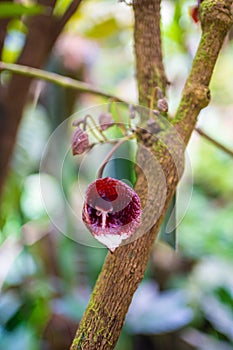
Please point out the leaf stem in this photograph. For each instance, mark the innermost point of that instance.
(97, 127)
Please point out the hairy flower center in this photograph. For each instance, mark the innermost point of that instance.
(103, 213)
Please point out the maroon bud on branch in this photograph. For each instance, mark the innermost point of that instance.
(111, 211)
(132, 111)
(79, 141)
(153, 126)
(162, 104)
(105, 120)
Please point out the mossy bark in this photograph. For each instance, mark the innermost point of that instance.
(103, 319)
(148, 52)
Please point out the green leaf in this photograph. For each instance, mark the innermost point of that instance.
(166, 234)
(61, 6)
(16, 24)
(9, 9)
(104, 29)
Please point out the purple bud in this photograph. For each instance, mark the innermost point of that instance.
(111, 211)
(162, 104)
(153, 126)
(159, 93)
(155, 112)
(105, 120)
(132, 112)
(80, 141)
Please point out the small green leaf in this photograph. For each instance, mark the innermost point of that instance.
(166, 235)
(9, 9)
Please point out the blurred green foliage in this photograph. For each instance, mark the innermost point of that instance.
(45, 285)
(9, 9)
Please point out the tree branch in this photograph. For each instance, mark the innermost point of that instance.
(3, 28)
(216, 21)
(214, 142)
(122, 271)
(83, 87)
(72, 8)
(148, 51)
(55, 78)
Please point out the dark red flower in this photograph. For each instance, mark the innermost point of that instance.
(80, 141)
(194, 14)
(111, 211)
(194, 11)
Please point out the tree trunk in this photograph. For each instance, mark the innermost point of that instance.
(123, 270)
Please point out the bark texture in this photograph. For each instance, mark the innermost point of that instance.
(148, 51)
(43, 31)
(122, 271)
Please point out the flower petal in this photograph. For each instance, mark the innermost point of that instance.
(111, 211)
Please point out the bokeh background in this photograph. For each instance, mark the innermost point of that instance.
(46, 276)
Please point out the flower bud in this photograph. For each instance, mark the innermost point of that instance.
(79, 141)
(162, 104)
(132, 111)
(153, 126)
(105, 120)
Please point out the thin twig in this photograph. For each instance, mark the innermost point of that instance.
(97, 127)
(56, 79)
(214, 142)
(84, 87)
(110, 153)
